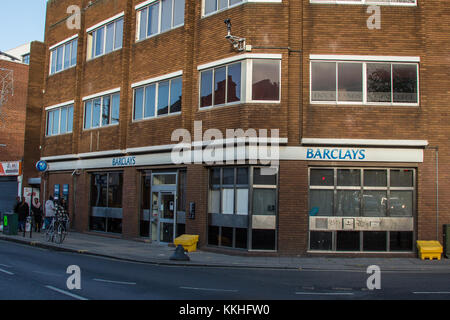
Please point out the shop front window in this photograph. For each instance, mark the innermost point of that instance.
(358, 209)
(106, 202)
(232, 193)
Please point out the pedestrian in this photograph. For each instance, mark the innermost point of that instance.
(36, 211)
(16, 205)
(49, 212)
(23, 210)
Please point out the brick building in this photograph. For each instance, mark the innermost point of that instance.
(358, 112)
(13, 90)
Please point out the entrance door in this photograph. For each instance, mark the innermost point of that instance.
(163, 216)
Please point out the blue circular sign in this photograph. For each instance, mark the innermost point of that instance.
(42, 166)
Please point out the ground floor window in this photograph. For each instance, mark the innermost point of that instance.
(359, 209)
(242, 208)
(106, 202)
(367, 241)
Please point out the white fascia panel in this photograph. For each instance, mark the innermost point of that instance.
(365, 142)
(60, 105)
(143, 4)
(64, 41)
(117, 16)
(238, 58)
(337, 57)
(156, 79)
(100, 94)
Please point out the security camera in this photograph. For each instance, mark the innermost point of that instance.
(228, 23)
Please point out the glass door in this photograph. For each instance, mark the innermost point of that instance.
(163, 216)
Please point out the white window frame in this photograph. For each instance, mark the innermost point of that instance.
(234, 5)
(53, 57)
(246, 78)
(91, 55)
(364, 60)
(146, 5)
(156, 81)
(366, 2)
(65, 105)
(101, 96)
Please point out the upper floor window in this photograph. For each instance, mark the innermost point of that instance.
(159, 16)
(158, 98)
(211, 6)
(26, 58)
(353, 82)
(101, 111)
(105, 39)
(63, 56)
(369, 2)
(59, 120)
(226, 84)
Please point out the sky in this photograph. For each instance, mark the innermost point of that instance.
(21, 21)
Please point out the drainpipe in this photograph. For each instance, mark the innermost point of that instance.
(436, 150)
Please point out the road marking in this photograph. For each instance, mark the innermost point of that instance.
(117, 282)
(48, 273)
(209, 289)
(326, 293)
(438, 292)
(66, 293)
(5, 265)
(7, 272)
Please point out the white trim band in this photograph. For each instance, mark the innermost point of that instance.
(238, 58)
(156, 79)
(117, 16)
(365, 142)
(100, 94)
(62, 104)
(63, 42)
(144, 4)
(337, 57)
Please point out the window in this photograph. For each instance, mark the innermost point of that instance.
(384, 83)
(105, 39)
(59, 120)
(211, 6)
(26, 58)
(361, 192)
(221, 85)
(369, 2)
(224, 84)
(63, 56)
(354, 195)
(266, 80)
(158, 17)
(232, 193)
(102, 111)
(106, 202)
(158, 99)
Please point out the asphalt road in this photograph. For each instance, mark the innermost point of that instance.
(34, 273)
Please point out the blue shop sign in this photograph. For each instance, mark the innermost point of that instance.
(124, 162)
(335, 154)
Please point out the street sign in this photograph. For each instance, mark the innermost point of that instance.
(42, 166)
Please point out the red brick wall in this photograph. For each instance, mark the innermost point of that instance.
(13, 112)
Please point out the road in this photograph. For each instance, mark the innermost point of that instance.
(34, 273)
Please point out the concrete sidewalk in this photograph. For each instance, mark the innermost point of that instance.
(138, 251)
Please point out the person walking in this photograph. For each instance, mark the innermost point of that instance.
(23, 210)
(49, 212)
(36, 211)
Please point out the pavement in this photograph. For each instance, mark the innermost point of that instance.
(151, 253)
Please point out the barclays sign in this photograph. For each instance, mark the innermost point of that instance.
(336, 154)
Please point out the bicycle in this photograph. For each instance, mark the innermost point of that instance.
(58, 228)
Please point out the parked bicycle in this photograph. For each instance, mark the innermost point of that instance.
(59, 227)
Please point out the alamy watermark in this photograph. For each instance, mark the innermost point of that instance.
(374, 281)
(237, 146)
